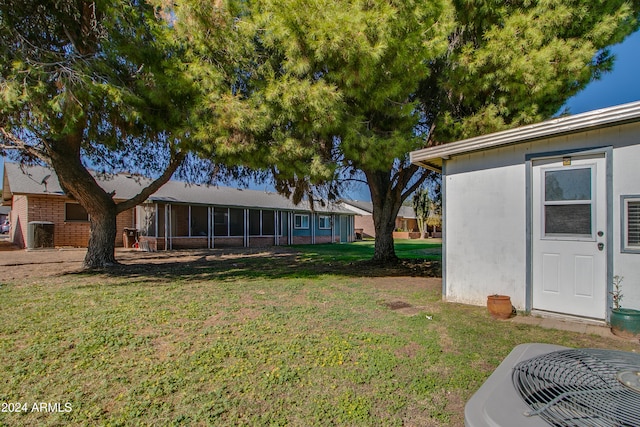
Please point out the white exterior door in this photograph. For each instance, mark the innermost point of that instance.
(569, 221)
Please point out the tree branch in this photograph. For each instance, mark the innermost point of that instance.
(415, 185)
(430, 140)
(154, 186)
(361, 181)
(20, 145)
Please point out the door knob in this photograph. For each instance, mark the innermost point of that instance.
(600, 246)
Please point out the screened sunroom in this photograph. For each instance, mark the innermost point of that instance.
(164, 225)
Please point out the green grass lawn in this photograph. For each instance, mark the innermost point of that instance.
(255, 340)
(430, 249)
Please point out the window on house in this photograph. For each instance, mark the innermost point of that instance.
(221, 221)
(283, 217)
(199, 221)
(180, 220)
(324, 222)
(261, 223)
(75, 212)
(301, 221)
(568, 202)
(631, 223)
(236, 222)
(268, 223)
(254, 222)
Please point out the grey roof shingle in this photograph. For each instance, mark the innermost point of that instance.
(31, 180)
(406, 212)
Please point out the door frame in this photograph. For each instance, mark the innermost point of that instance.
(607, 151)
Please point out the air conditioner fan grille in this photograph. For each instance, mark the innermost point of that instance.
(581, 387)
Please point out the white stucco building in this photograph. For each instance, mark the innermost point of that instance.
(545, 213)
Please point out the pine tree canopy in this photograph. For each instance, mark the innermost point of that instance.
(315, 91)
(327, 85)
(346, 87)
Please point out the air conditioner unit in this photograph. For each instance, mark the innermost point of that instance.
(543, 384)
(39, 235)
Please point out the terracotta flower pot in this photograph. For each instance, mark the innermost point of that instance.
(625, 322)
(499, 306)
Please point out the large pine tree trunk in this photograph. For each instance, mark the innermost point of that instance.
(101, 248)
(387, 194)
(384, 250)
(386, 204)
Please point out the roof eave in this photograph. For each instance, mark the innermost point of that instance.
(432, 158)
(433, 164)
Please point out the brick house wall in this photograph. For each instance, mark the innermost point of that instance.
(52, 209)
(301, 240)
(365, 222)
(325, 239)
(228, 242)
(124, 220)
(18, 231)
(261, 242)
(188, 242)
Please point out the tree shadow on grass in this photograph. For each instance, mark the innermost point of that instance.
(226, 265)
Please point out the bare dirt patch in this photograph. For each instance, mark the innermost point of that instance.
(404, 308)
(397, 305)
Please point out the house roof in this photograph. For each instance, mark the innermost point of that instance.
(364, 208)
(40, 180)
(432, 158)
(406, 212)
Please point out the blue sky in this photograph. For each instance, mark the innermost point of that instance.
(620, 86)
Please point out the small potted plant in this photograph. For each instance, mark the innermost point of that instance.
(625, 322)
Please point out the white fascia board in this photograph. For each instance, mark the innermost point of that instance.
(355, 209)
(431, 158)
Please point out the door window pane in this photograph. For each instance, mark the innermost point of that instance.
(571, 184)
(568, 202)
(567, 219)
